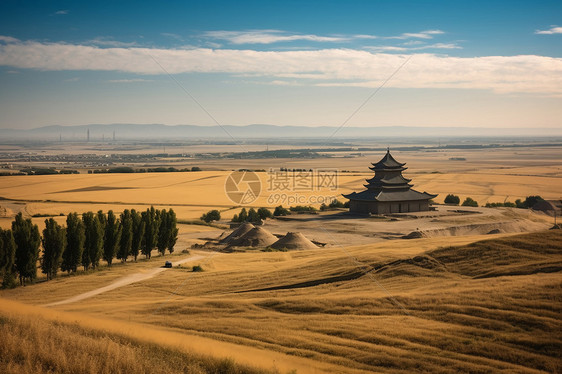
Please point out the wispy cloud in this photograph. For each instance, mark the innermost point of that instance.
(268, 37)
(110, 42)
(62, 12)
(405, 47)
(134, 80)
(172, 36)
(335, 66)
(428, 34)
(552, 30)
(278, 36)
(8, 39)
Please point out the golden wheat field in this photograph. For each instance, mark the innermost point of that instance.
(437, 305)
(454, 301)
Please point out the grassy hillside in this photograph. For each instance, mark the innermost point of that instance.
(36, 345)
(398, 307)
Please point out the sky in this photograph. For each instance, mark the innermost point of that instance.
(358, 63)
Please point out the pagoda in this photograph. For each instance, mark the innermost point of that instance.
(388, 191)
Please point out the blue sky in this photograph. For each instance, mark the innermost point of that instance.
(455, 63)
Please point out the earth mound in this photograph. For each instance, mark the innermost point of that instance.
(256, 237)
(237, 233)
(294, 240)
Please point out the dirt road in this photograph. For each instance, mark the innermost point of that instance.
(129, 279)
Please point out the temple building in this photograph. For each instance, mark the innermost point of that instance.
(388, 191)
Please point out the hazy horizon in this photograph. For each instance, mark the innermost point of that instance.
(303, 64)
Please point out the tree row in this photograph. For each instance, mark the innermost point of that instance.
(83, 242)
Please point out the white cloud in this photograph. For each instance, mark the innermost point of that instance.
(8, 39)
(268, 37)
(405, 47)
(134, 80)
(428, 34)
(530, 73)
(109, 42)
(552, 30)
(62, 12)
(276, 36)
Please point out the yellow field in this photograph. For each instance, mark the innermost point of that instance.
(446, 310)
(191, 194)
(382, 306)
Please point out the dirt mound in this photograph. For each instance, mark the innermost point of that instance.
(413, 235)
(237, 233)
(485, 228)
(294, 240)
(256, 237)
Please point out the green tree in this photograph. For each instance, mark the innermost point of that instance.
(469, 202)
(54, 242)
(7, 258)
(75, 237)
(530, 201)
(112, 237)
(235, 218)
(151, 226)
(243, 216)
(253, 216)
(172, 230)
(212, 215)
(452, 199)
(280, 211)
(93, 244)
(265, 213)
(163, 233)
(27, 239)
(126, 242)
(138, 233)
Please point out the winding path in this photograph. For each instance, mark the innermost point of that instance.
(129, 279)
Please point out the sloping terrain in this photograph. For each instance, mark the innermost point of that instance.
(424, 305)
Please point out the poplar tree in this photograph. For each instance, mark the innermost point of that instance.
(126, 242)
(112, 237)
(163, 233)
(54, 241)
(27, 239)
(172, 230)
(138, 233)
(151, 226)
(75, 237)
(7, 258)
(93, 244)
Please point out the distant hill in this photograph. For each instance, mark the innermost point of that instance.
(227, 132)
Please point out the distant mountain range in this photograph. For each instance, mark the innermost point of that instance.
(193, 132)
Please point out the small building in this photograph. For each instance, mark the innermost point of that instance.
(388, 191)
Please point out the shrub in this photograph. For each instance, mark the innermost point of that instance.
(197, 268)
(302, 208)
(452, 199)
(264, 213)
(212, 215)
(469, 202)
(336, 204)
(280, 211)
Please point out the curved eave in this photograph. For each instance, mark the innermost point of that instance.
(387, 169)
(389, 186)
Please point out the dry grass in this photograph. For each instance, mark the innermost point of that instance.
(485, 307)
(36, 345)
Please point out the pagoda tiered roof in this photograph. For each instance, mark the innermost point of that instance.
(388, 184)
